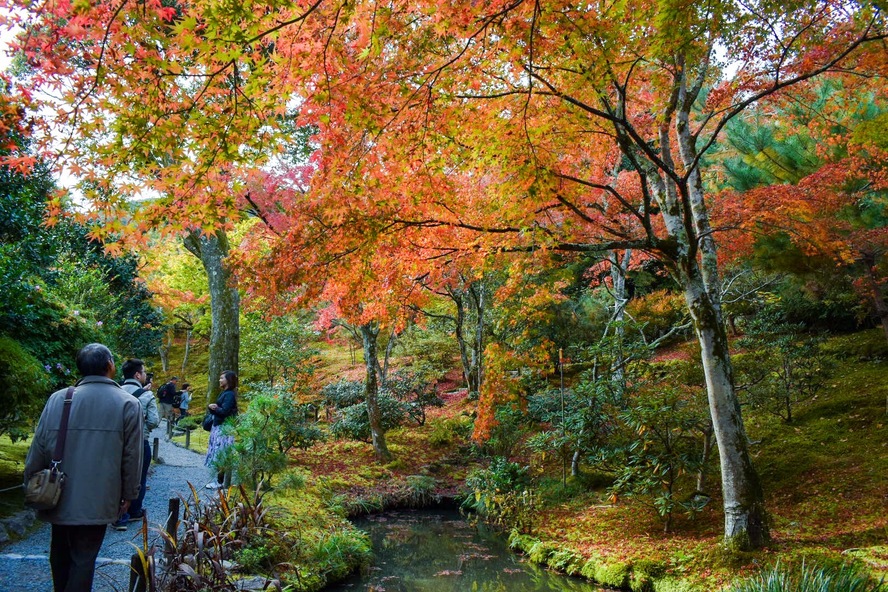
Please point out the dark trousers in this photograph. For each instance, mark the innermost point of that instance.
(135, 508)
(72, 556)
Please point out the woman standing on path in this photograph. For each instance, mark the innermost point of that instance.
(224, 407)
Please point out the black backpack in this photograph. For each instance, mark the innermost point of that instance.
(167, 393)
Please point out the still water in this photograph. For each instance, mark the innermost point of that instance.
(438, 551)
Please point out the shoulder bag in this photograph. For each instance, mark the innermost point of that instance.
(44, 488)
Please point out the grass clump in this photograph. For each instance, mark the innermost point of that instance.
(781, 578)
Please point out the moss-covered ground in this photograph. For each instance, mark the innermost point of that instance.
(825, 478)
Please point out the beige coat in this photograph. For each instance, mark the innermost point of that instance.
(103, 451)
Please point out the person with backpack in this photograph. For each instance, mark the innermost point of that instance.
(166, 397)
(137, 383)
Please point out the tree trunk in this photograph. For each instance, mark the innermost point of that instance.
(369, 333)
(704, 459)
(745, 517)
(224, 305)
(476, 291)
(164, 351)
(619, 266)
(382, 369)
(881, 307)
(461, 340)
(469, 354)
(187, 350)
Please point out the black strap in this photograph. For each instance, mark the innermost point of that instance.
(63, 428)
(138, 392)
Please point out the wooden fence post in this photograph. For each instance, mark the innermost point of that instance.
(172, 527)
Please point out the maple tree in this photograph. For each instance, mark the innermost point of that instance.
(446, 130)
(824, 197)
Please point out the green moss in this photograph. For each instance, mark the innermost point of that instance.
(644, 574)
(588, 569)
(540, 552)
(875, 559)
(673, 585)
(566, 561)
(521, 542)
(613, 574)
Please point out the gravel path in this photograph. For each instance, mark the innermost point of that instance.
(24, 565)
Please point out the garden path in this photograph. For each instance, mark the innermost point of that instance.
(24, 564)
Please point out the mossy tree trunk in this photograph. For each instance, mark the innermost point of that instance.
(224, 305)
(369, 335)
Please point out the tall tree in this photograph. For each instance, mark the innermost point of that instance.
(476, 128)
(212, 250)
(818, 158)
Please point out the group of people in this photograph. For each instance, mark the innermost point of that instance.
(107, 454)
(173, 402)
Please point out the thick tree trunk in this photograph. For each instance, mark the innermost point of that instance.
(746, 524)
(224, 306)
(470, 354)
(702, 484)
(369, 333)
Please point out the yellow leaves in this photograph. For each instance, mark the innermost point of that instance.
(80, 6)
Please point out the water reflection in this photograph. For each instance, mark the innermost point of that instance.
(437, 551)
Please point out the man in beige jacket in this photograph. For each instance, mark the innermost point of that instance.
(102, 460)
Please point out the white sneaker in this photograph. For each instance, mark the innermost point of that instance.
(214, 485)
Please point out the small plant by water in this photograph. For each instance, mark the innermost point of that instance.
(224, 535)
(781, 578)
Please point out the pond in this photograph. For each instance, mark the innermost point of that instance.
(438, 551)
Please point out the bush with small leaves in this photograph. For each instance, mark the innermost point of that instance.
(354, 423)
(273, 424)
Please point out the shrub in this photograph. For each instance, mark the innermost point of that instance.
(420, 491)
(336, 554)
(272, 425)
(446, 431)
(231, 525)
(353, 422)
(414, 392)
(785, 367)
(344, 393)
(502, 495)
(26, 385)
(190, 422)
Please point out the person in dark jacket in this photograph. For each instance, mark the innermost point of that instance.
(102, 460)
(224, 407)
(165, 397)
(137, 383)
